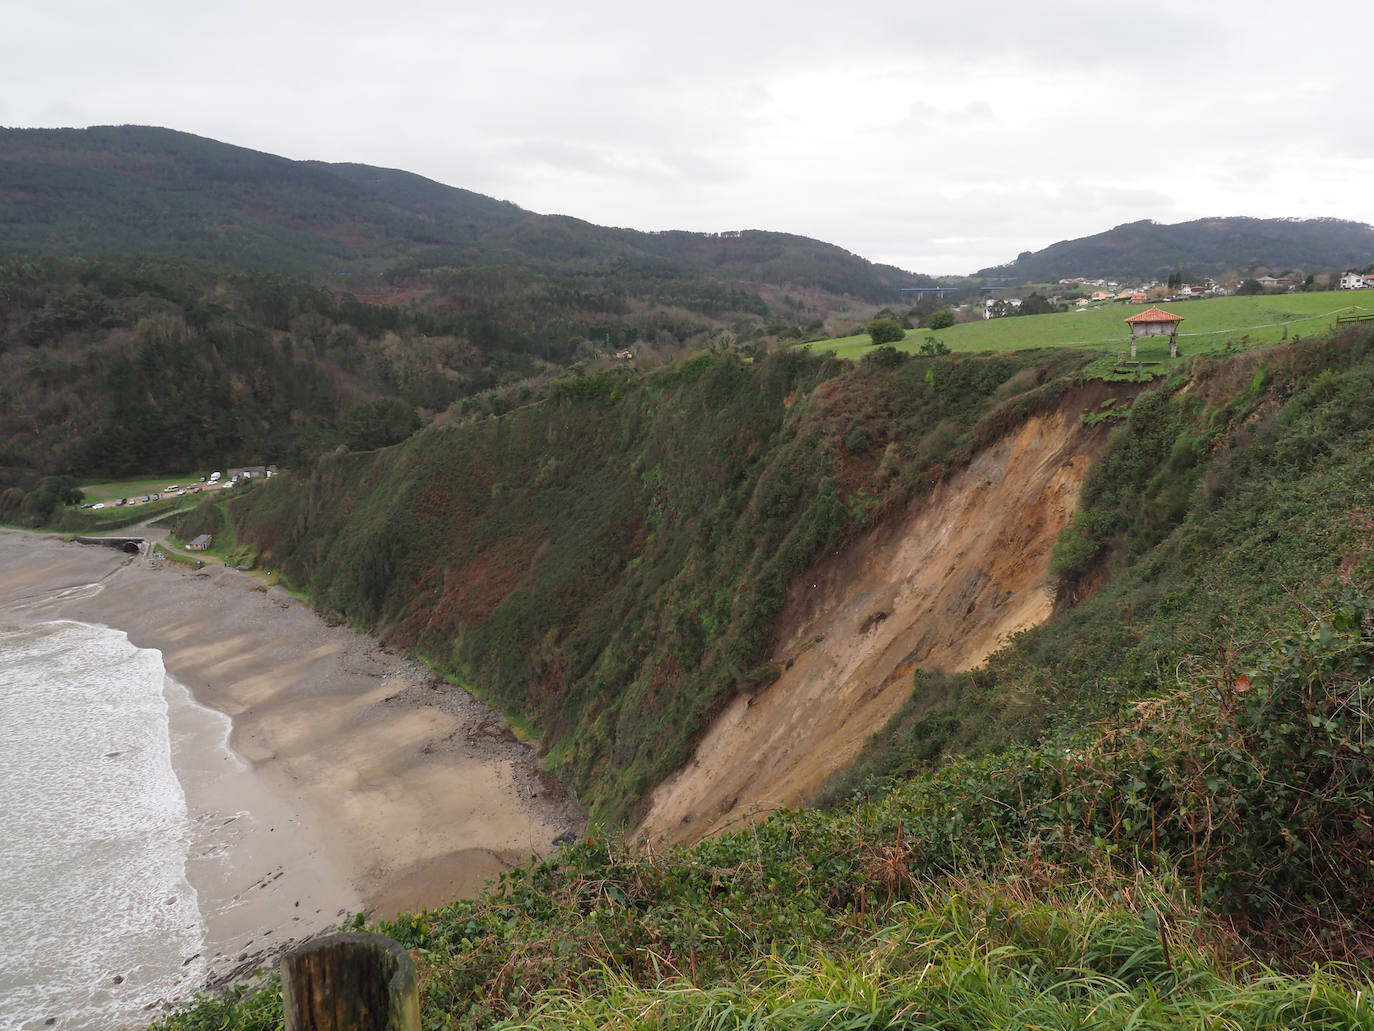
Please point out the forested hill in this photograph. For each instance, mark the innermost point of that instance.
(1206, 246)
(142, 189)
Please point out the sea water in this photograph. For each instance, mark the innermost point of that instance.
(100, 924)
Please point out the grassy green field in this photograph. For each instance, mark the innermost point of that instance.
(1207, 326)
(116, 489)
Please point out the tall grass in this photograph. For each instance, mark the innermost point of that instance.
(977, 961)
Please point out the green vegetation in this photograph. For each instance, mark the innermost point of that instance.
(1228, 503)
(884, 331)
(36, 507)
(1106, 881)
(1105, 826)
(1151, 811)
(1209, 325)
(380, 423)
(1209, 246)
(53, 505)
(113, 368)
(608, 564)
(120, 189)
(179, 557)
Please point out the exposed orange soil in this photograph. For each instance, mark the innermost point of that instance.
(942, 587)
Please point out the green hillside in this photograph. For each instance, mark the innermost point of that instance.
(139, 189)
(1208, 325)
(1205, 246)
(607, 564)
(1138, 815)
(122, 189)
(123, 365)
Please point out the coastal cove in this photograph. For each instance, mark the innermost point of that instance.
(344, 779)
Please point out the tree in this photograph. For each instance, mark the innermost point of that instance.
(1037, 304)
(927, 306)
(1249, 287)
(885, 331)
(886, 357)
(932, 346)
(375, 424)
(942, 319)
(63, 488)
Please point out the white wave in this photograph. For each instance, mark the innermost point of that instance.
(93, 861)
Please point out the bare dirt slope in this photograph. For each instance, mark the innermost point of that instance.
(941, 588)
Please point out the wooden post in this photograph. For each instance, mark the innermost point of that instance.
(350, 982)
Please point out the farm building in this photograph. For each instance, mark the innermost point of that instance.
(200, 543)
(1155, 322)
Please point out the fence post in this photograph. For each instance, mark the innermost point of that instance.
(350, 982)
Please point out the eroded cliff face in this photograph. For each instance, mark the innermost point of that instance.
(942, 587)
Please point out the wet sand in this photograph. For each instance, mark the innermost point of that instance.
(368, 784)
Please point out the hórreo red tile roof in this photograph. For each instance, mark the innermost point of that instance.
(1155, 315)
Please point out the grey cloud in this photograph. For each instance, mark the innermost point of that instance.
(940, 138)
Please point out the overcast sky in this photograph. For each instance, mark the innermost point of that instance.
(937, 138)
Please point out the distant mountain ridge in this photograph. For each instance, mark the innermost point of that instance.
(1207, 246)
(111, 189)
(121, 189)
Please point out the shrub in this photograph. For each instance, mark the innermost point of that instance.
(380, 423)
(885, 356)
(884, 331)
(857, 441)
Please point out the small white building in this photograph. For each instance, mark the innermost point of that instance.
(1354, 281)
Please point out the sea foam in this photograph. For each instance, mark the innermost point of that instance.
(101, 924)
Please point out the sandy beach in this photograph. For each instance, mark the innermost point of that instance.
(372, 785)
